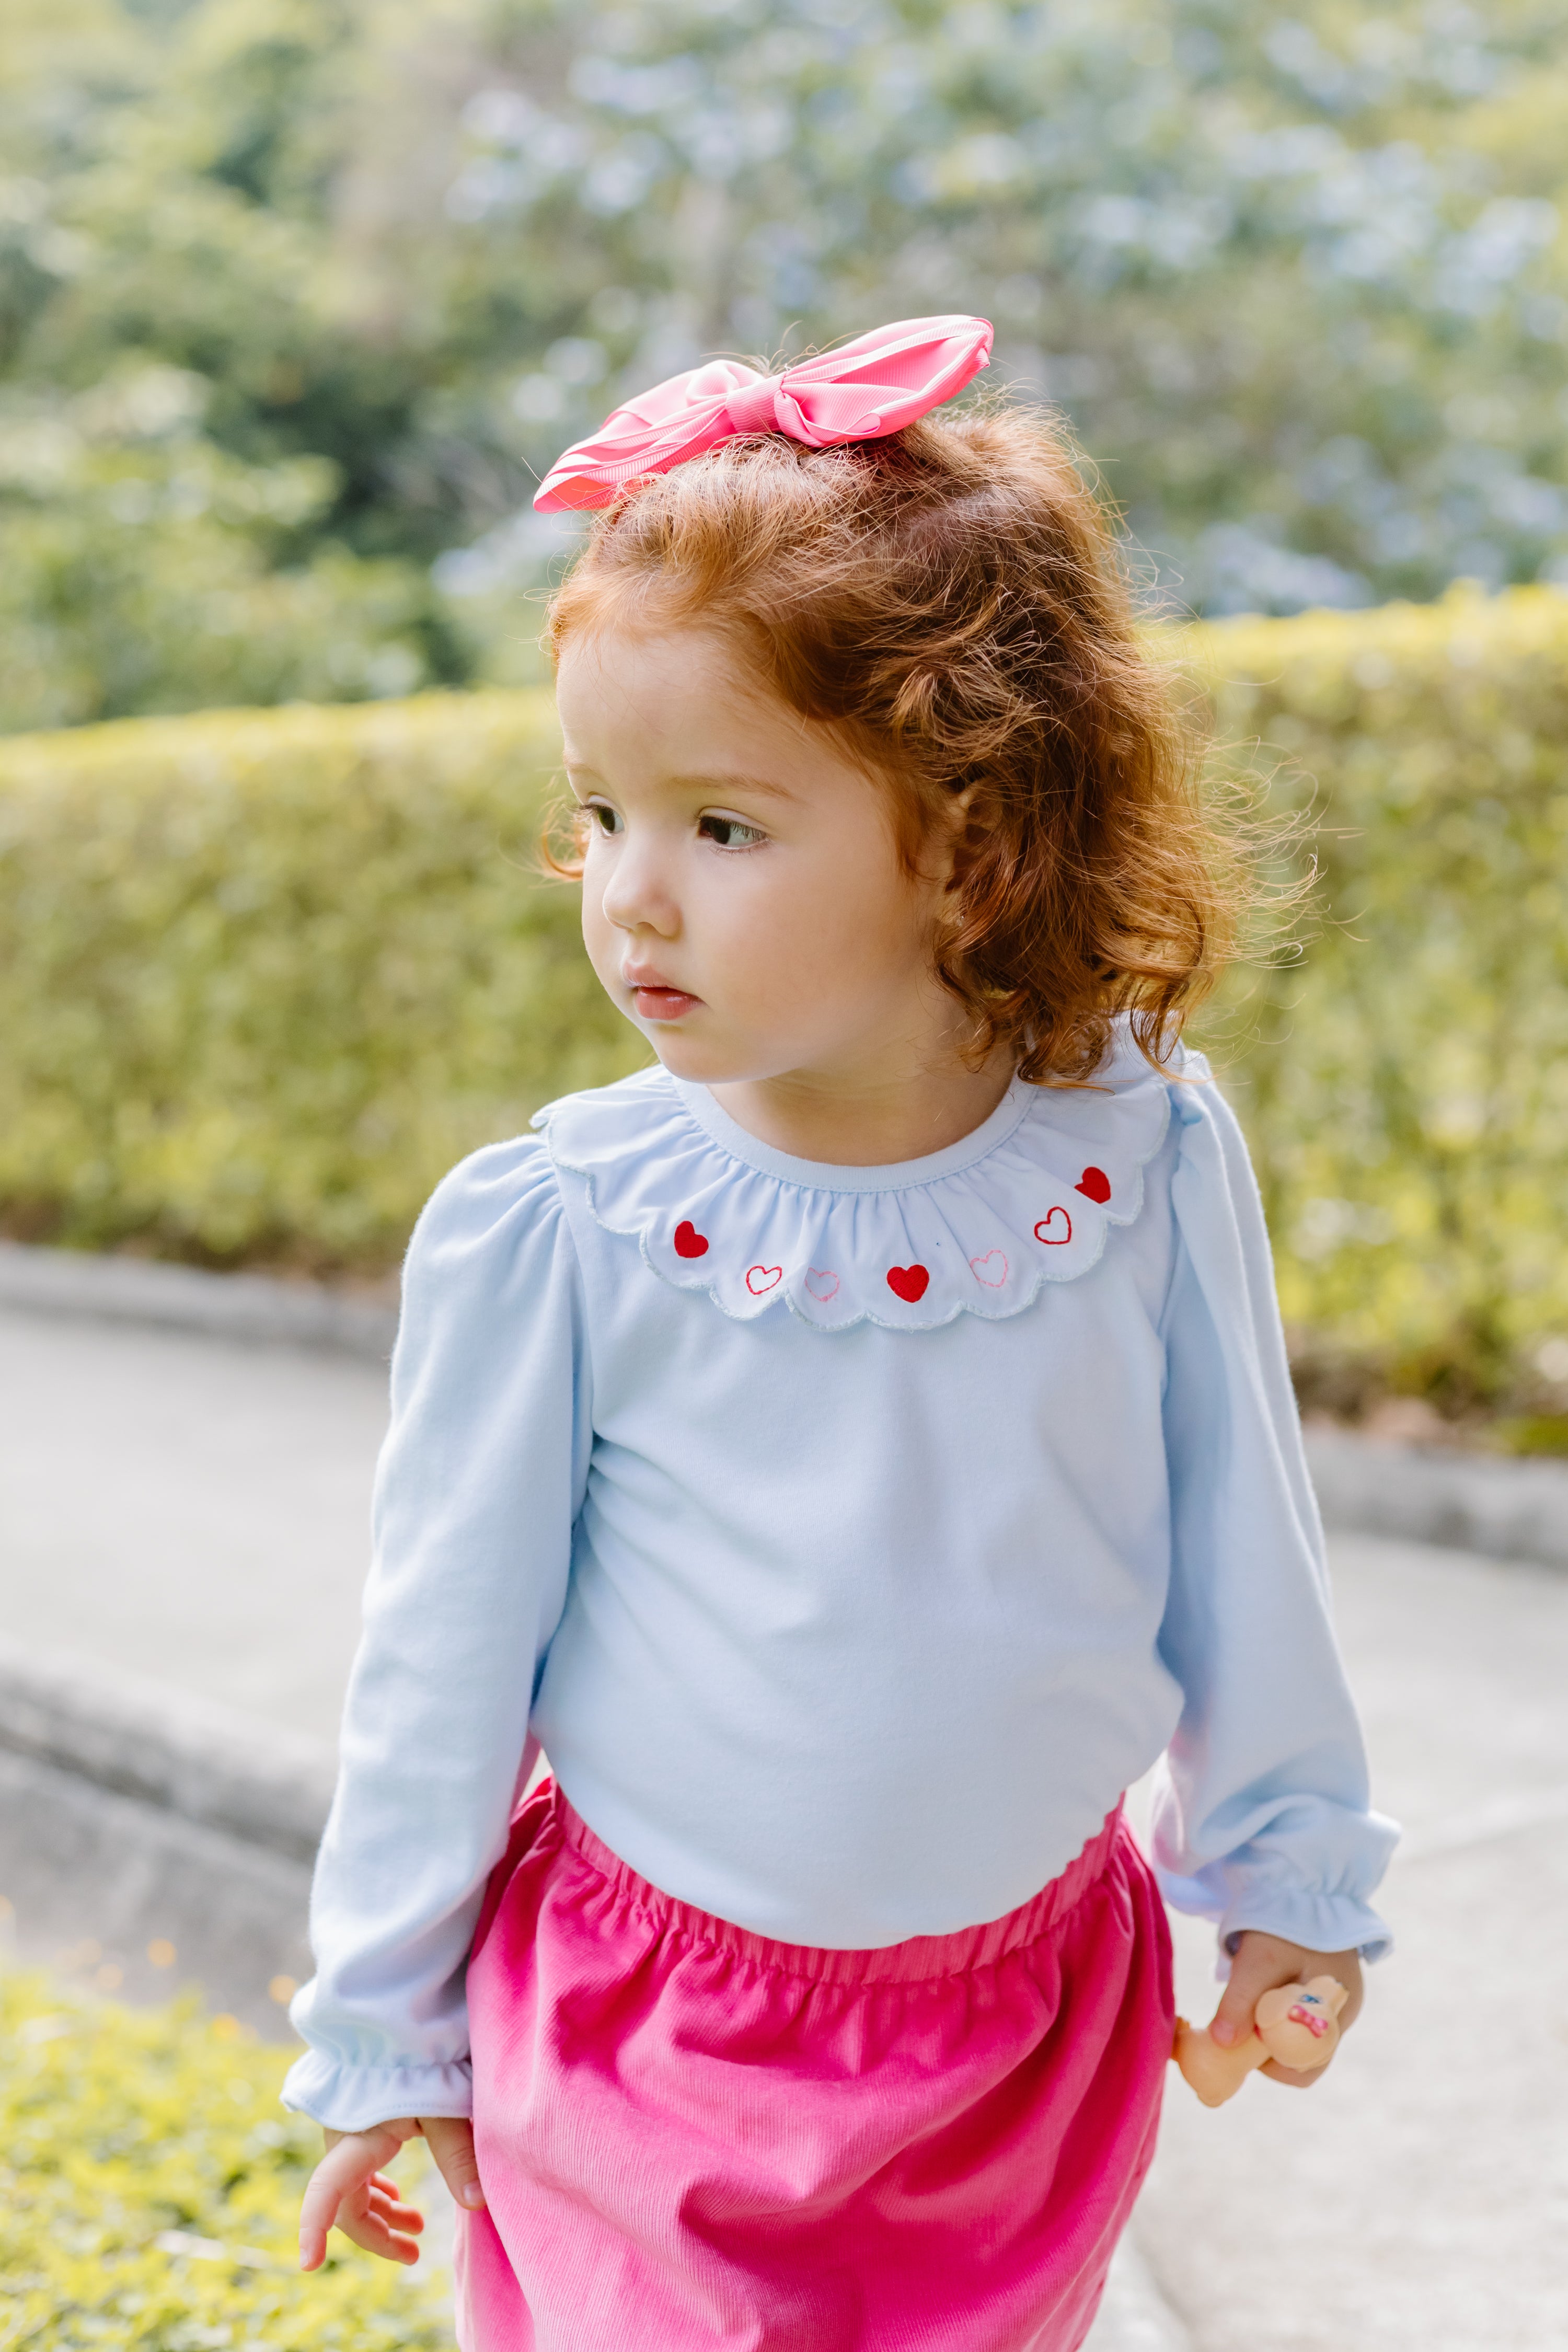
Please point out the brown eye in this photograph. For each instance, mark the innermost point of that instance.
(729, 833)
(605, 819)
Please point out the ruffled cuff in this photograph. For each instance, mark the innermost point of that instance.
(351, 2098)
(1317, 1920)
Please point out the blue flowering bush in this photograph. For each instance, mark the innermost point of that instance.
(298, 300)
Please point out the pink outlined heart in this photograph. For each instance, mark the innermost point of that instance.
(760, 1279)
(1043, 1229)
(822, 1282)
(991, 1269)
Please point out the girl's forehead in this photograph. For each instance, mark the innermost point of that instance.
(604, 668)
(683, 701)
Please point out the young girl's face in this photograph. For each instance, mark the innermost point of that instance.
(744, 899)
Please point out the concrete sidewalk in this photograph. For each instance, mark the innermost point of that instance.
(189, 1507)
(195, 1509)
(1416, 2202)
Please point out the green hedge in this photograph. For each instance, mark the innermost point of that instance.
(1405, 1086)
(263, 976)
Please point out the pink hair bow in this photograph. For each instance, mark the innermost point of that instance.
(875, 385)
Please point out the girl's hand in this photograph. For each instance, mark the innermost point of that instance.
(1261, 1962)
(350, 2190)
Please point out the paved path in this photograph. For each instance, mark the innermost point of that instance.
(1417, 2200)
(197, 1509)
(192, 1508)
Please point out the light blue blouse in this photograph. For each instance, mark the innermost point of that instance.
(850, 1537)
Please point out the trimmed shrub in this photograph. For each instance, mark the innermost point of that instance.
(264, 976)
(150, 2190)
(1405, 1086)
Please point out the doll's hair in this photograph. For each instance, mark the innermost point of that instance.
(952, 602)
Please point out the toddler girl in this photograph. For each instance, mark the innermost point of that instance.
(854, 1449)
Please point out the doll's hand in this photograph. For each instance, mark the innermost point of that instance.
(1261, 1963)
(349, 2189)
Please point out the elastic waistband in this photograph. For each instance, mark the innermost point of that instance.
(919, 1959)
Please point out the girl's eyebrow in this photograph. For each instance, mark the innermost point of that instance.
(579, 772)
(734, 783)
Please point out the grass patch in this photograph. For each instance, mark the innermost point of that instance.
(1532, 1433)
(150, 2190)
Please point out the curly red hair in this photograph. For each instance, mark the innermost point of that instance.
(953, 602)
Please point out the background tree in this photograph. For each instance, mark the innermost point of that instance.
(296, 296)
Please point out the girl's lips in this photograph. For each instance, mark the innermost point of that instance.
(663, 1004)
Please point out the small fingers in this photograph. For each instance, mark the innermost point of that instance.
(367, 2231)
(1232, 2020)
(339, 2182)
(451, 2143)
(1257, 1964)
(318, 2207)
(391, 2209)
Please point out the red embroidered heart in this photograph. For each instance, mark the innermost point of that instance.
(1094, 1184)
(1043, 1229)
(762, 1278)
(689, 1241)
(907, 1282)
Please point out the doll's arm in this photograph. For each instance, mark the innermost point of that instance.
(1215, 2074)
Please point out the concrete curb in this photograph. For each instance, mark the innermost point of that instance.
(141, 1900)
(251, 1307)
(1503, 1510)
(255, 1782)
(144, 1831)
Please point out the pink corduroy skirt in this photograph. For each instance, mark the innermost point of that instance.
(693, 2139)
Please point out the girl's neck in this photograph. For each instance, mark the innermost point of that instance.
(871, 1122)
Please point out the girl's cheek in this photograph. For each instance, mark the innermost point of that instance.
(598, 932)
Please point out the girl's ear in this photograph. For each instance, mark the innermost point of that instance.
(946, 841)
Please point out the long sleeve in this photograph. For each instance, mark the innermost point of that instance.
(480, 1480)
(1261, 1813)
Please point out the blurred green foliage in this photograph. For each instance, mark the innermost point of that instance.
(264, 976)
(1405, 1084)
(150, 2192)
(296, 296)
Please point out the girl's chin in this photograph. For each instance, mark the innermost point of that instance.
(686, 1057)
(705, 1061)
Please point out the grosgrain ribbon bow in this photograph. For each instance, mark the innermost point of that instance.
(861, 391)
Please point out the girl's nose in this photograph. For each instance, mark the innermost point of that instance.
(637, 896)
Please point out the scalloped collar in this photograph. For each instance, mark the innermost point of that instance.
(979, 1229)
